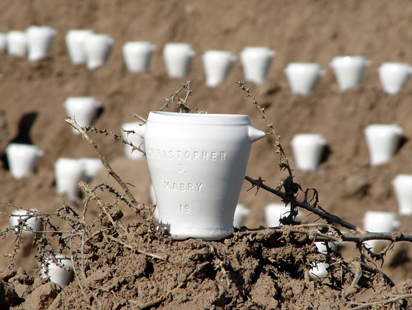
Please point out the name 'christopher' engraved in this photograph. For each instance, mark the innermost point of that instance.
(185, 155)
(183, 187)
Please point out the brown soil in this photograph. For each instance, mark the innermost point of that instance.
(259, 270)
(250, 270)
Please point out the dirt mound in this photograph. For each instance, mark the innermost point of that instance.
(265, 269)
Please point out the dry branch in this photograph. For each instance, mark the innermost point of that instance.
(106, 164)
(382, 302)
(330, 218)
(181, 103)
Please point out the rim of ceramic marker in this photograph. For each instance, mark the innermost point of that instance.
(308, 135)
(379, 212)
(394, 63)
(349, 56)
(197, 118)
(381, 126)
(403, 175)
(257, 48)
(22, 145)
(314, 64)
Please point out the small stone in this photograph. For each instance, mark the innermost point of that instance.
(37, 282)
(21, 276)
(42, 297)
(8, 296)
(22, 290)
(8, 274)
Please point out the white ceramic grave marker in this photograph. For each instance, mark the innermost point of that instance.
(83, 109)
(307, 150)
(349, 70)
(39, 41)
(303, 76)
(136, 55)
(323, 249)
(178, 58)
(197, 164)
(22, 159)
(17, 43)
(62, 273)
(97, 47)
(34, 223)
(403, 190)
(241, 213)
(255, 63)
(91, 167)
(274, 212)
(75, 39)
(376, 221)
(217, 64)
(68, 173)
(318, 271)
(382, 141)
(393, 76)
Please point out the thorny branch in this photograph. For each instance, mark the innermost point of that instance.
(330, 218)
(288, 191)
(181, 103)
(291, 188)
(106, 164)
(117, 137)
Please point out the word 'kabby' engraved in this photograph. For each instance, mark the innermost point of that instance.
(184, 209)
(183, 187)
(185, 155)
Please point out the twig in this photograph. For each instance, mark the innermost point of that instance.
(269, 123)
(111, 172)
(115, 136)
(382, 302)
(140, 118)
(134, 248)
(181, 103)
(343, 237)
(356, 269)
(151, 304)
(394, 236)
(377, 271)
(330, 218)
(75, 272)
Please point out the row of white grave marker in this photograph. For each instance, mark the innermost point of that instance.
(382, 141)
(93, 49)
